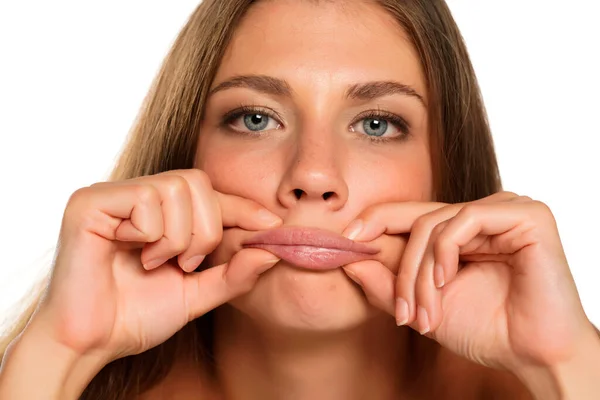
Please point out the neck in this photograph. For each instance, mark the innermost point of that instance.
(268, 363)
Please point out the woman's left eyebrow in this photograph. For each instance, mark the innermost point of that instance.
(279, 87)
(373, 90)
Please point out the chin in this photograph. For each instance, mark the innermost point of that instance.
(291, 298)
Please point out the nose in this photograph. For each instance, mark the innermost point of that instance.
(314, 173)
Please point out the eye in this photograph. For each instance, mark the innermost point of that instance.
(380, 125)
(256, 122)
(375, 127)
(252, 120)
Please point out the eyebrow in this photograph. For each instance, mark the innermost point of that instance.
(373, 90)
(260, 83)
(279, 87)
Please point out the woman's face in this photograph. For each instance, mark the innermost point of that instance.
(317, 112)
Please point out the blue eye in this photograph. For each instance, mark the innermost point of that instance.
(256, 122)
(251, 120)
(375, 127)
(379, 125)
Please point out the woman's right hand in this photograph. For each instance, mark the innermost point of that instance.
(123, 279)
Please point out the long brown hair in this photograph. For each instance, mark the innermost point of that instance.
(165, 136)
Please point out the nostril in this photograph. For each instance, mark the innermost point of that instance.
(327, 195)
(298, 193)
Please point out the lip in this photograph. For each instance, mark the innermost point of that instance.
(311, 248)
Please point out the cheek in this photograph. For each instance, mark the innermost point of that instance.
(237, 171)
(404, 176)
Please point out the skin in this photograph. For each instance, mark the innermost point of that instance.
(312, 147)
(123, 280)
(514, 264)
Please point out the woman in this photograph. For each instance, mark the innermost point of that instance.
(305, 176)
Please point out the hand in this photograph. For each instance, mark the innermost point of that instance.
(123, 280)
(488, 279)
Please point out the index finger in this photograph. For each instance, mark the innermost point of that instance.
(245, 213)
(217, 210)
(390, 218)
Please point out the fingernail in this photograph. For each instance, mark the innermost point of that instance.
(438, 276)
(193, 263)
(354, 229)
(353, 276)
(422, 320)
(157, 262)
(267, 265)
(268, 217)
(401, 311)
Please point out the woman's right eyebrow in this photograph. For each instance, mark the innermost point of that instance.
(279, 87)
(260, 83)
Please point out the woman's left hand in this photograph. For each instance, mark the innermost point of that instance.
(487, 279)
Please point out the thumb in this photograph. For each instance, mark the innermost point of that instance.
(208, 289)
(378, 284)
(376, 281)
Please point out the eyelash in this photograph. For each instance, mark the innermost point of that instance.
(242, 110)
(400, 123)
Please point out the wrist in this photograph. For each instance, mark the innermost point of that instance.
(37, 367)
(577, 378)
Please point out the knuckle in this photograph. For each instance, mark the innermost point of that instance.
(179, 243)
(508, 194)
(470, 211)
(424, 224)
(372, 211)
(78, 197)
(154, 234)
(176, 186)
(438, 229)
(441, 244)
(200, 178)
(210, 242)
(376, 212)
(79, 214)
(78, 203)
(146, 195)
(542, 209)
(99, 184)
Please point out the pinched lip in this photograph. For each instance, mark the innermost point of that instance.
(311, 248)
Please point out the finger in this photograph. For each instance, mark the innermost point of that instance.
(496, 197)
(131, 214)
(390, 218)
(202, 228)
(427, 295)
(510, 224)
(206, 222)
(212, 211)
(412, 259)
(215, 286)
(377, 282)
(399, 217)
(176, 205)
(245, 213)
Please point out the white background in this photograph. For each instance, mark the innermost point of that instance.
(73, 75)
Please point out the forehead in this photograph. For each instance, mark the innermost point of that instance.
(321, 44)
